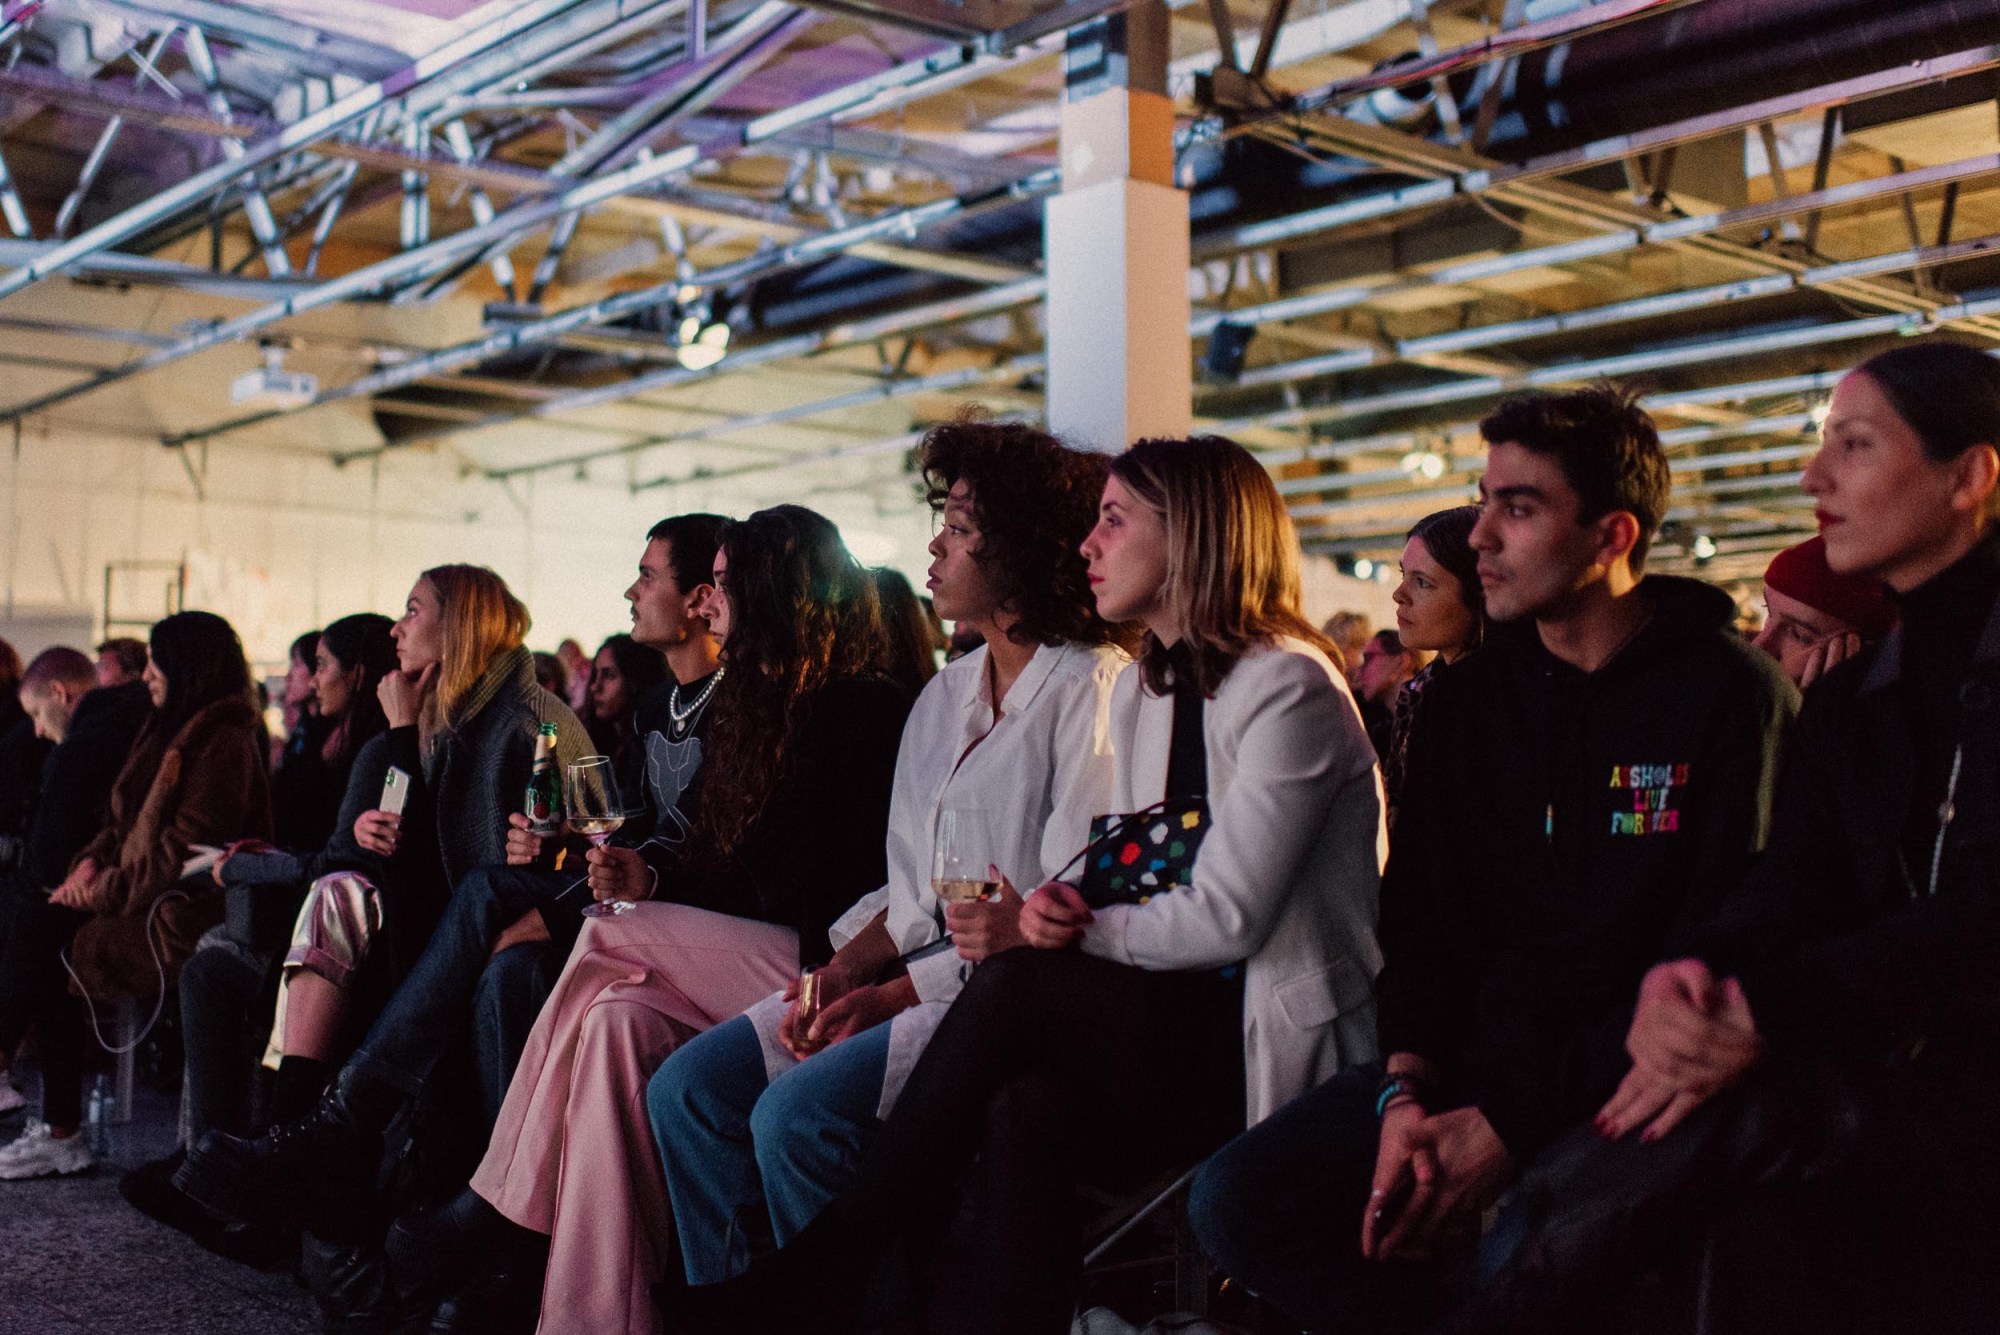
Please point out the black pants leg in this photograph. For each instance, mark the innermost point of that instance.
(432, 1004)
(511, 991)
(34, 991)
(1058, 1038)
(225, 1018)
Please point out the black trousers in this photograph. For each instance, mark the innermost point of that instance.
(34, 993)
(226, 1008)
(1052, 1066)
(1812, 1198)
(433, 1002)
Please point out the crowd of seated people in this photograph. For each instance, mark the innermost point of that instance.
(1562, 959)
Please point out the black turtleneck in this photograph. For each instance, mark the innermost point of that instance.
(1942, 622)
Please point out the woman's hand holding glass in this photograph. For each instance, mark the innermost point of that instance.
(618, 875)
(1055, 916)
(830, 982)
(983, 928)
(856, 1010)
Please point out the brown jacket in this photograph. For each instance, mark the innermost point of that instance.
(208, 787)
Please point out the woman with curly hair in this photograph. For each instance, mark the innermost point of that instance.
(765, 1117)
(793, 799)
(1144, 1024)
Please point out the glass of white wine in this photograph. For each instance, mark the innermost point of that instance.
(595, 811)
(962, 858)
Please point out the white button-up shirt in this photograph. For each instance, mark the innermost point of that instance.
(1039, 773)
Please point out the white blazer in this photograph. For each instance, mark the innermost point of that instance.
(1288, 875)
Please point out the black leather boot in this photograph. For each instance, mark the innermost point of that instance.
(321, 1167)
(444, 1248)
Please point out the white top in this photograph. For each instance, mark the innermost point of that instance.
(1039, 774)
(1288, 874)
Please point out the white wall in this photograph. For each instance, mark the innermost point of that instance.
(281, 543)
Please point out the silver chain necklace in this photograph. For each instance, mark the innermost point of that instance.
(681, 716)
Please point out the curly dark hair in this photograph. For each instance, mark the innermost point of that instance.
(1035, 500)
(803, 612)
(1607, 447)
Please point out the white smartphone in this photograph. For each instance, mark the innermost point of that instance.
(395, 790)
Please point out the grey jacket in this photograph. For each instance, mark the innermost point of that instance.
(479, 769)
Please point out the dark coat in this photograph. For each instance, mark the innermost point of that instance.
(1838, 943)
(77, 777)
(1558, 835)
(209, 786)
(475, 773)
(22, 755)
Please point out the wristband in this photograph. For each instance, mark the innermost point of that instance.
(1393, 1088)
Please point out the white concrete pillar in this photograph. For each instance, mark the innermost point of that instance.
(1116, 243)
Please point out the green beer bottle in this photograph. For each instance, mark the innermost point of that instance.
(545, 786)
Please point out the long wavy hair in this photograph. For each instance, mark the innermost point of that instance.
(202, 659)
(482, 620)
(802, 611)
(1232, 554)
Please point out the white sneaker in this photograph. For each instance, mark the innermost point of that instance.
(12, 1100)
(39, 1154)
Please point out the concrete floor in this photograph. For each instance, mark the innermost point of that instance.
(75, 1259)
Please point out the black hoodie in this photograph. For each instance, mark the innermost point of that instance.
(1561, 832)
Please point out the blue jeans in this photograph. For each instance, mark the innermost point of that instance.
(430, 1007)
(749, 1163)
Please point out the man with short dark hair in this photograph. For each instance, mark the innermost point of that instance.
(120, 659)
(487, 957)
(1580, 793)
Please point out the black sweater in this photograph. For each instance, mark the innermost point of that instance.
(1559, 833)
(1841, 945)
(77, 777)
(819, 844)
(282, 866)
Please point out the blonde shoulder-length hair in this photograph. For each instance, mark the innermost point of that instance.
(481, 619)
(1232, 554)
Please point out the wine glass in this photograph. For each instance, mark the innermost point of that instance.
(962, 858)
(596, 812)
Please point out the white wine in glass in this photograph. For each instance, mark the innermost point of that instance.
(596, 812)
(962, 858)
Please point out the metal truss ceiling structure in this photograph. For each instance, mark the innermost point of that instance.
(488, 226)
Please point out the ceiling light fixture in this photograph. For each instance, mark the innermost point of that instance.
(698, 346)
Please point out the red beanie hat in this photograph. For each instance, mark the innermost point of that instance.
(1801, 572)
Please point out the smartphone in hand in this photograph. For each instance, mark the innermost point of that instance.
(395, 790)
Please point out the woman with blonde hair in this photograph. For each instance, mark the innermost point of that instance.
(463, 711)
(1210, 959)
